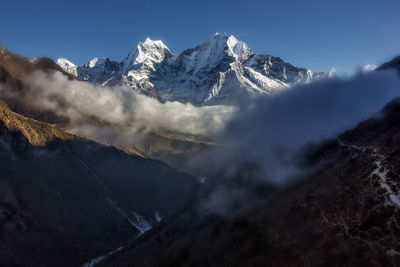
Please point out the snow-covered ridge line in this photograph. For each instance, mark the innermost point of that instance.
(219, 70)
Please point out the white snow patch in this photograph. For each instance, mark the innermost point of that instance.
(97, 61)
(157, 216)
(392, 252)
(369, 67)
(382, 172)
(141, 224)
(100, 258)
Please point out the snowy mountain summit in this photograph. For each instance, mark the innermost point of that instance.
(148, 53)
(219, 70)
(68, 66)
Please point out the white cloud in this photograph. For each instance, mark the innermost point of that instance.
(274, 129)
(369, 67)
(122, 113)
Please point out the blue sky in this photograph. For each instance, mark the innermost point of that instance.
(319, 34)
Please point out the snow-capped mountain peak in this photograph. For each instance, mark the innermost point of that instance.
(97, 62)
(220, 69)
(99, 70)
(149, 52)
(207, 54)
(66, 62)
(157, 43)
(216, 49)
(238, 49)
(68, 66)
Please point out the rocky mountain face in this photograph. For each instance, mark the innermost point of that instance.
(65, 199)
(346, 212)
(218, 70)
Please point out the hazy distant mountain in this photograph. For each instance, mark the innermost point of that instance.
(218, 70)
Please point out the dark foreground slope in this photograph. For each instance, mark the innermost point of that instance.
(65, 200)
(345, 213)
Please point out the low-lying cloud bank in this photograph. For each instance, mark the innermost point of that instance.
(259, 142)
(272, 130)
(121, 114)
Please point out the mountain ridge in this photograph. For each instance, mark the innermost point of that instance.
(218, 70)
(38, 133)
(17, 89)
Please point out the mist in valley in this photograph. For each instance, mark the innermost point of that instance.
(269, 130)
